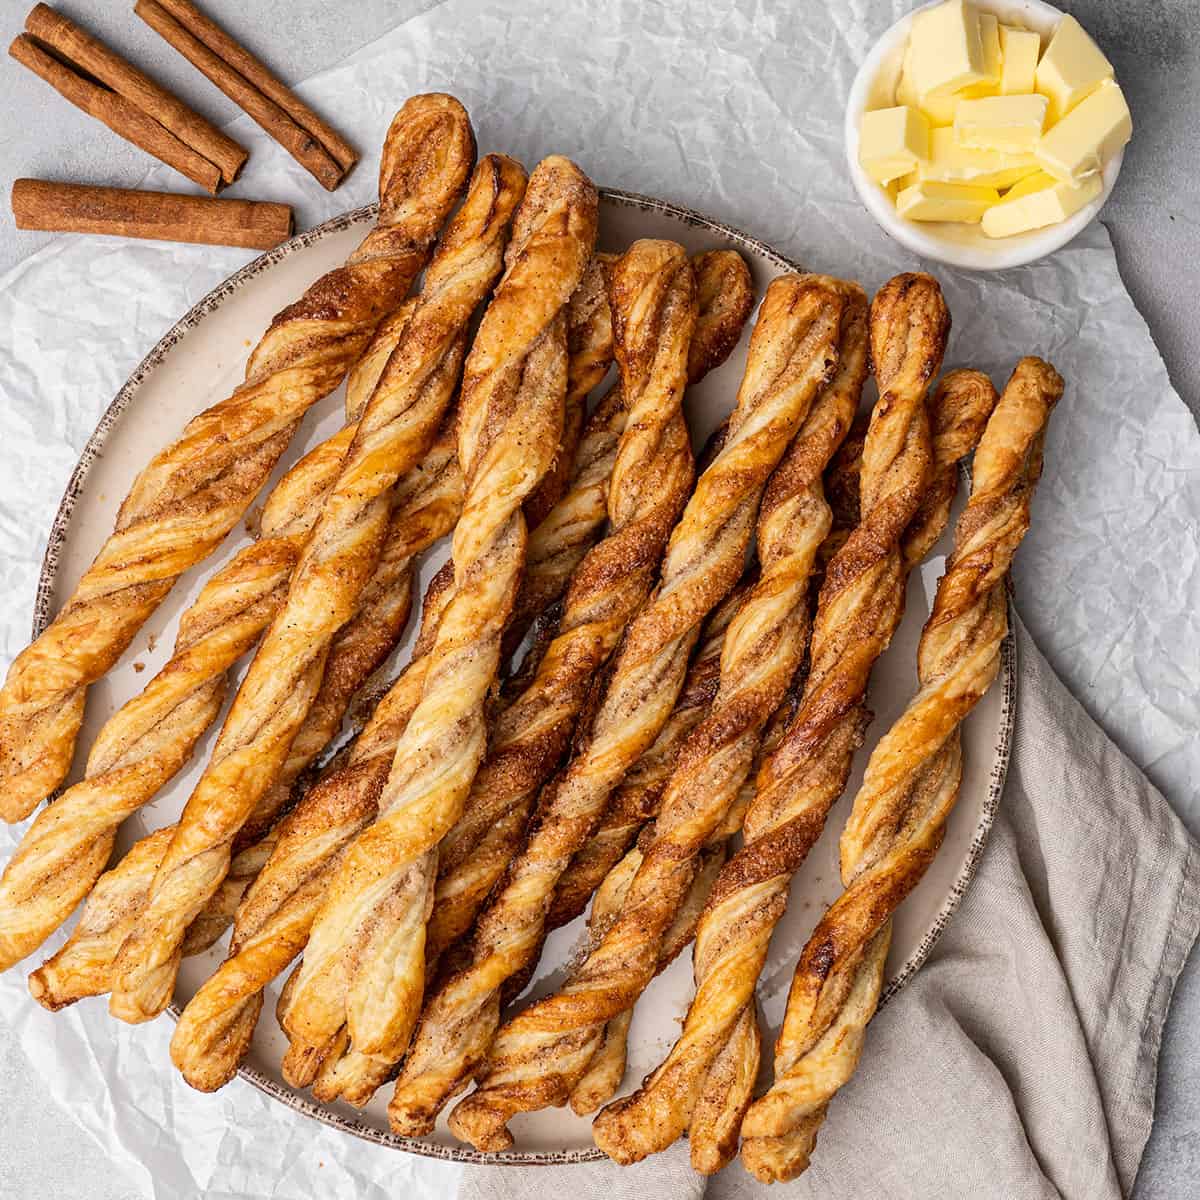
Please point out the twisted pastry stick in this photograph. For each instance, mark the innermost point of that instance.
(787, 533)
(639, 797)
(762, 651)
(654, 314)
(725, 295)
(960, 408)
(364, 965)
(148, 741)
(66, 847)
(426, 503)
(911, 784)
(589, 355)
(273, 922)
(190, 495)
(792, 351)
(858, 610)
(607, 1067)
(469, 871)
(219, 913)
(478, 849)
(83, 965)
(272, 928)
(395, 432)
(150, 738)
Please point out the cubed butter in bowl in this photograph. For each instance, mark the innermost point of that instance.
(967, 108)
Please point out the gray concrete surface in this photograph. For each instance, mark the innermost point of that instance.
(1154, 218)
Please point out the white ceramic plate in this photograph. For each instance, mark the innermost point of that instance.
(958, 244)
(198, 362)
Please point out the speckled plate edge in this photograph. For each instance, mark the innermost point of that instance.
(61, 527)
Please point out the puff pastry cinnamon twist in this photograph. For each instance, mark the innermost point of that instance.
(751, 892)
(66, 847)
(792, 351)
(761, 653)
(150, 738)
(364, 964)
(191, 494)
(426, 503)
(858, 609)
(639, 796)
(611, 582)
(396, 430)
(589, 345)
(272, 928)
(607, 1066)
(274, 919)
(589, 355)
(725, 296)
(911, 784)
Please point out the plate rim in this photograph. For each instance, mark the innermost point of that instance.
(60, 528)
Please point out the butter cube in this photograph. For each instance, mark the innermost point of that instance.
(1006, 123)
(1037, 201)
(947, 48)
(891, 141)
(989, 35)
(906, 86)
(931, 201)
(1072, 68)
(1088, 136)
(948, 162)
(939, 110)
(1019, 49)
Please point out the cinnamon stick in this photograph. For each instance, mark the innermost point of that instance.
(259, 75)
(250, 85)
(117, 113)
(94, 57)
(81, 208)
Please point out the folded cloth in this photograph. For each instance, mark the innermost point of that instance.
(1019, 1063)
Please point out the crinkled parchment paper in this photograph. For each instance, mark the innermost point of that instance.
(732, 109)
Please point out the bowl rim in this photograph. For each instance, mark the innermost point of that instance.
(920, 237)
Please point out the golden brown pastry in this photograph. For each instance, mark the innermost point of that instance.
(397, 428)
(725, 295)
(273, 921)
(609, 585)
(637, 799)
(83, 964)
(273, 926)
(911, 784)
(959, 409)
(364, 964)
(66, 847)
(653, 303)
(852, 625)
(187, 499)
(607, 1067)
(791, 352)
(589, 355)
(762, 651)
(426, 503)
(149, 739)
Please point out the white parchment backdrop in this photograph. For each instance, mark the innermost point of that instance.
(733, 109)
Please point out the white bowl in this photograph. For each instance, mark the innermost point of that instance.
(957, 244)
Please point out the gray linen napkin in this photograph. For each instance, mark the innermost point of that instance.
(1020, 1061)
